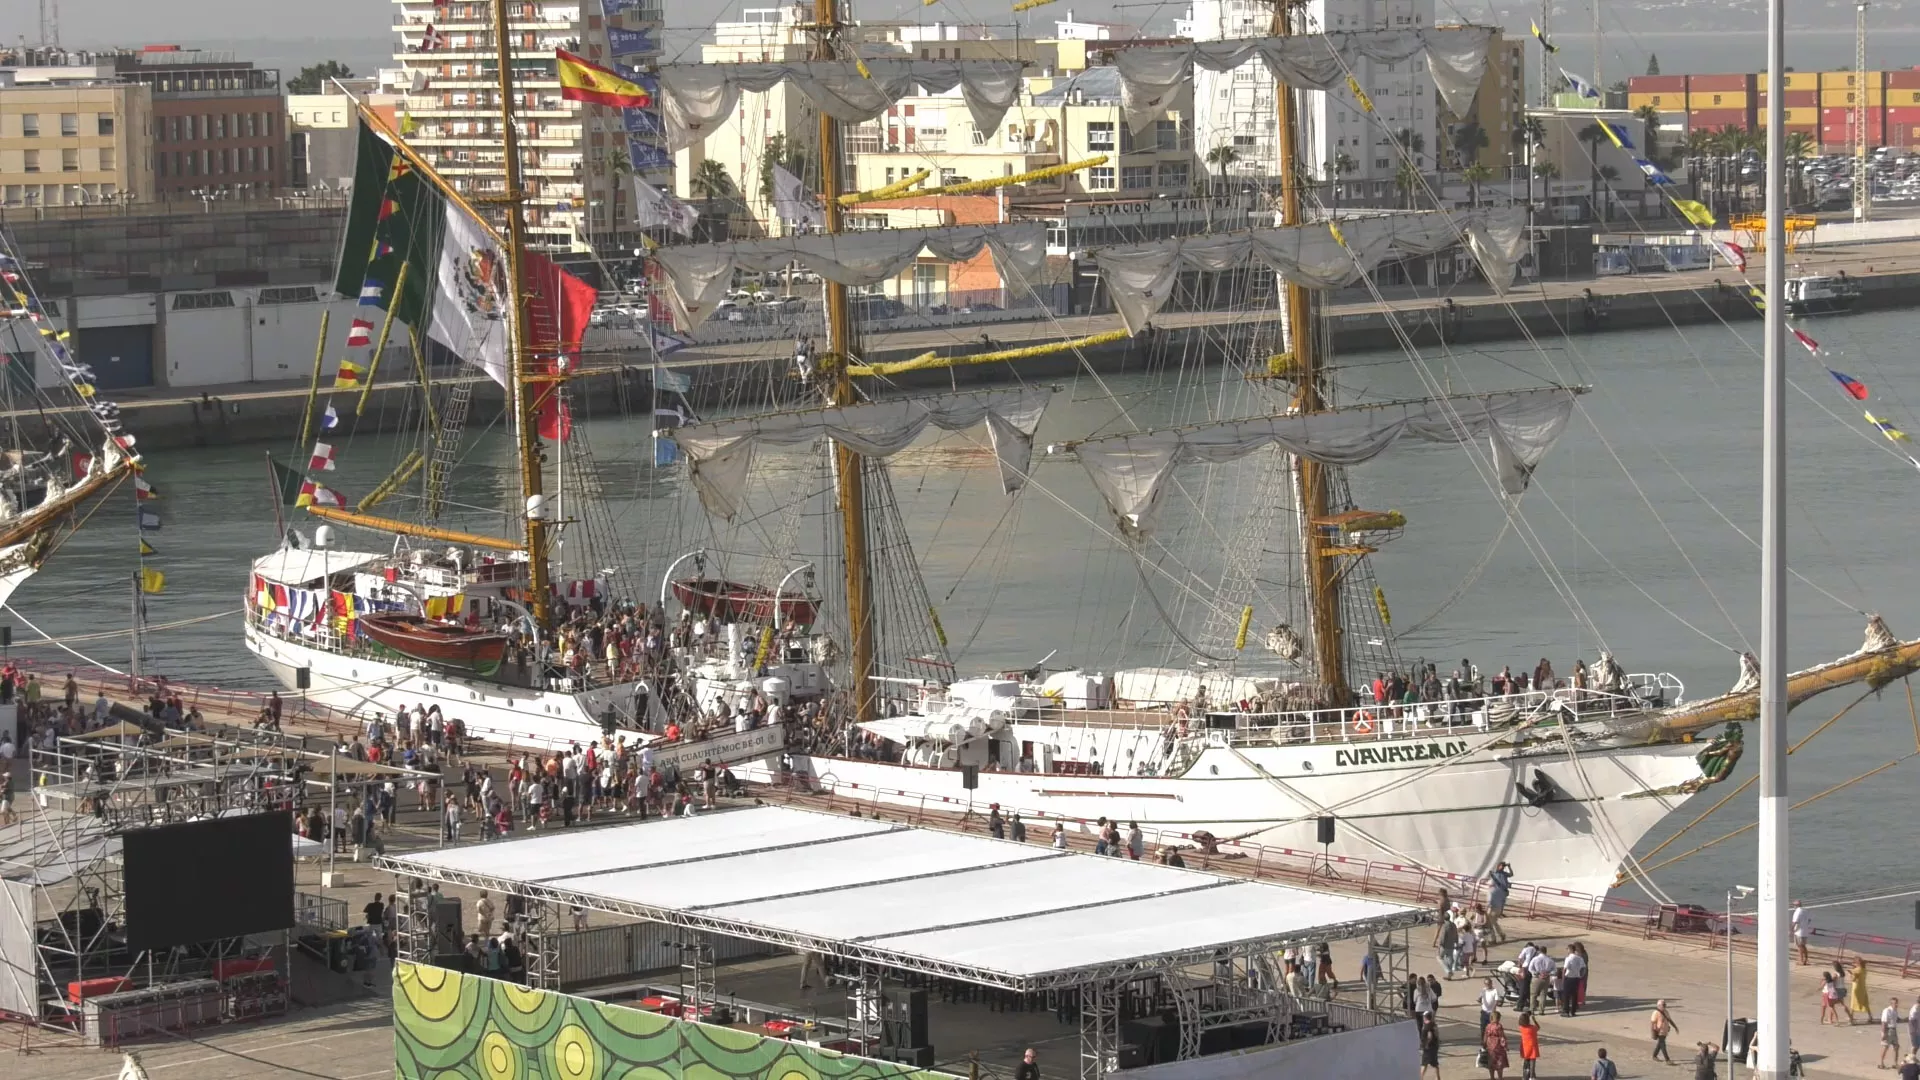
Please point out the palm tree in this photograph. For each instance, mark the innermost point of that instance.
(1475, 175)
(1650, 134)
(1593, 135)
(1408, 181)
(1699, 150)
(1340, 166)
(1468, 140)
(1220, 157)
(711, 182)
(1609, 174)
(1799, 145)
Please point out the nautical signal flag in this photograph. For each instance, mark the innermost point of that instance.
(1735, 255)
(312, 494)
(322, 460)
(1812, 346)
(349, 375)
(1697, 213)
(382, 249)
(1653, 172)
(1541, 36)
(329, 419)
(1579, 85)
(387, 208)
(152, 581)
(146, 548)
(1617, 134)
(583, 81)
(1851, 386)
(1886, 428)
(370, 293)
(400, 167)
(147, 520)
(142, 490)
(1338, 236)
(359, 334)
(1366, 103)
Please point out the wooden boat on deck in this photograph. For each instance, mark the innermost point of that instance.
(446, 644)
(732, 601)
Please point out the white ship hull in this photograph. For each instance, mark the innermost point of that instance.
(510, 716)
(1463, 817)
(15, 568)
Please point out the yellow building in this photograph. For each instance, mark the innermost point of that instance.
(73, 144)
(1498, 106)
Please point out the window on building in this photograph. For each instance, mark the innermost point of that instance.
(32, 162)
(266, 158)
(175, 155)
(289, 294)
(201, 301)
(1100, 136)
(246, 124)
(103, 124)
(1101, 178)
(1056, 236)
(1379, 163)
(193, 164)
(69, 124)
(30, 125)
(108, 159)
(70, 160)
(1173, 174)
(1166, 135)
(160, 165)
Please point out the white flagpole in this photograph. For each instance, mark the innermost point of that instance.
(1771, 1011)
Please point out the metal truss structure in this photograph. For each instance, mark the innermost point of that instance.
(540, 937)
(1099, 1029)
(858, 952)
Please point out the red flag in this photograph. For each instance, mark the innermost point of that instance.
(1812, 345)
(557, 299)
(360, 333)
(1849, 385)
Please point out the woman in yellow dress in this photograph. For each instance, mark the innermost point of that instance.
(1857, 1002)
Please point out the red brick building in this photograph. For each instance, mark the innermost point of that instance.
(219, 124)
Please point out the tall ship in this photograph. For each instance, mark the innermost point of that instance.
(1285, 700)
(65, 445)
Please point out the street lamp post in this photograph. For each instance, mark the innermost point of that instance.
(1726, 1041)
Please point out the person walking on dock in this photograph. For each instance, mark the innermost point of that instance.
(1529, 1046)
(1493, 1041)
(1857, 1001)
(1661, 1025)
(1890, 1031)
(1704, 1058)
(1603, 1067)
(1429, 1046)
(1501, 882)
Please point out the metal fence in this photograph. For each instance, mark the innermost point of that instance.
(322, 912)
(608, 953)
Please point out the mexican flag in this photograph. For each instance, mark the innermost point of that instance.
(456, 270)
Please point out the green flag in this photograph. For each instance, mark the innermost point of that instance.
(287, 480)
(394, 218)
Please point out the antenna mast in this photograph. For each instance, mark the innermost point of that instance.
(850, 479)
(1862, 183)
(525, 425)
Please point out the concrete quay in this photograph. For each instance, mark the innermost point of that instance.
(1630, 970)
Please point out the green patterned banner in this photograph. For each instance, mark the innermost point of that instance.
(452, 1026)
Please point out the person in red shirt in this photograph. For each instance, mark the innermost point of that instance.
(1529, 1046)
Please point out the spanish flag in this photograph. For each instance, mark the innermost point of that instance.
(582, 81)
(348, 376)
(152, 581)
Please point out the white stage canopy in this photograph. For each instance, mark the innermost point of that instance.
(1019, 916)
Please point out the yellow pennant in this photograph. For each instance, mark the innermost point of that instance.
(1338, 236)
(1360, 95)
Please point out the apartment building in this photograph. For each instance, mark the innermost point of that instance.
(1498, 107)
(71, 142)
(1060, 120)
(578, 156)
(1237, 108)
(323, 130)
(217, 121)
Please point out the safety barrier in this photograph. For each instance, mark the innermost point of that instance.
(605, 953)
(1367, 877)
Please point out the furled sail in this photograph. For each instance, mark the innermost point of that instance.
(1130, 470)
(696, 98)
(1152, 78)
(699, 275)
(1319, 256)
(721, 453)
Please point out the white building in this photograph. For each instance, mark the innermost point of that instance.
(577, 153)
(1072, 29)
(1236, 108)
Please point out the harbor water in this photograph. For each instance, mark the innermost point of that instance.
(1634, 537)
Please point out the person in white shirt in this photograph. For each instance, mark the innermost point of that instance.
(1802, 923)
(1572, 970)
(1540, 972)
(1490, 999)
(1890, 1031)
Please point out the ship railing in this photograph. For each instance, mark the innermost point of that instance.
(1404, 882)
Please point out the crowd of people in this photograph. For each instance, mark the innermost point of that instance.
(1465, 684)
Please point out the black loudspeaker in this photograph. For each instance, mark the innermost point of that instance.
(1738, 1037)
(1325, 830)
(6, 637)
(970, 777)
(916, 1017)
(920, 1057)
(1133, 1056)
(303, 678)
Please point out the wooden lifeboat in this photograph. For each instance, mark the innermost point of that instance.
(445, 644)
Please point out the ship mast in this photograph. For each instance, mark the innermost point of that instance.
(849, 476)
(524, 424)
(1322, 581)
